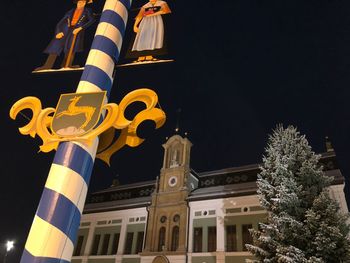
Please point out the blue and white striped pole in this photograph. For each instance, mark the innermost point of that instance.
(52, 235)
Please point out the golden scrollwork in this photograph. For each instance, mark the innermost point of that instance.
(128, 135)
(40, 123)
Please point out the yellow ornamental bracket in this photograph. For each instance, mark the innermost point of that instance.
(33, 104)
(147, 96)
(128, 136)
(78, 117)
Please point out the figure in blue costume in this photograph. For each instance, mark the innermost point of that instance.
(69, 35)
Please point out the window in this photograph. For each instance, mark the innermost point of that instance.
(115, 243)
(197, 239)
(95, 244)
(175, 238)
(139, 242)
(128, 243)
(176, 218)
(161, 240)
(246, 237)
(105, 244)
(211, 238)
(77, 251)
(231, 238)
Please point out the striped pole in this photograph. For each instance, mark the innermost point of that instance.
(54, 230)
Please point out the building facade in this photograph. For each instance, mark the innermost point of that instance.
(182, 216)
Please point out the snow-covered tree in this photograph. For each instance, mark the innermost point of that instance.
(303, 224)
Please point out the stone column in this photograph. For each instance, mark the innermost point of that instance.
(121, 243)
(220, 236)
(90, 239)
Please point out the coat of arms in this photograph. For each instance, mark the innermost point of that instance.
(77, 114)
(78, 118)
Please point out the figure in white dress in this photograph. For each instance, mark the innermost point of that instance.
(149, 27)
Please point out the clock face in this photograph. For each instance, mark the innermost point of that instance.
(172, 181)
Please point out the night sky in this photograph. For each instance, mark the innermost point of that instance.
(241, 67)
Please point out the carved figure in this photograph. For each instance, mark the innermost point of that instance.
(174, 160)
(69, 35)
(149, 28)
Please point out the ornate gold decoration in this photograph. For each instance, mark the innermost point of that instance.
(71, 119)
(73, 109)
(40, 124)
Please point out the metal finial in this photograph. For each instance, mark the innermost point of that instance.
(115, 181)
(329, 146)
(177, 128)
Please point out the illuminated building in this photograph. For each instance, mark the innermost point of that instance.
(182, 216)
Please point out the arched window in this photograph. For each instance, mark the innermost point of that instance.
(175, 238)
(161, 240)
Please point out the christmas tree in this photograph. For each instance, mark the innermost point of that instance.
(303, 223)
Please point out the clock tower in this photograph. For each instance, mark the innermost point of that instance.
(168, 214)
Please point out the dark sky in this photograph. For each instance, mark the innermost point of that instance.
(241, 68)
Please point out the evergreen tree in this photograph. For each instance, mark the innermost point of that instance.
(303, 223)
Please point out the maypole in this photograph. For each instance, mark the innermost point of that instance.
(54, 229)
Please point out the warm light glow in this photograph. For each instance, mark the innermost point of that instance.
(9, 245)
